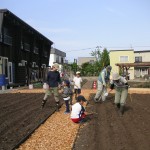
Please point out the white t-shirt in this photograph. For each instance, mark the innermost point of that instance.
(77, 82)
(76, 110)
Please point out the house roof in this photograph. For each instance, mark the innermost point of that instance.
(58, 52)
(122, 50)
(133, 64)
(6, 12)
(144, 51)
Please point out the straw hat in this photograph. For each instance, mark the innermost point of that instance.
(116, 76)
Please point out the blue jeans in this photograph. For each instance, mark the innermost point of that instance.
(67, 105)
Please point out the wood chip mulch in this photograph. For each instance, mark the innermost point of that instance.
(57, 133)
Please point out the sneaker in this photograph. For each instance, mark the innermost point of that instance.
(67, 112)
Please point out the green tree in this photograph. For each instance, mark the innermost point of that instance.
(105, 60)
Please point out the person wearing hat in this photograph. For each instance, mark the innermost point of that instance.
(78, 111)
(77, 84)
(102, 82)
(121, 91)
(53, 81)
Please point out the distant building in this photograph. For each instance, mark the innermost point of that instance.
(142, 57)
(24, 52)
(57, 56)
(122, 56)
(82, 60)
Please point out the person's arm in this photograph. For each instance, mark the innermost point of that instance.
(59, 80)
(103, 78)
(112, 85)
(48, 77)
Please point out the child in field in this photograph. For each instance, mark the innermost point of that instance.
(66, 93)
(78, 112)
(77, 84)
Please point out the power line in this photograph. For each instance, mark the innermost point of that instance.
(106, 47)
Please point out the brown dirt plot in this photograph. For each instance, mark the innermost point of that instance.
(19, 113)
(108, 131)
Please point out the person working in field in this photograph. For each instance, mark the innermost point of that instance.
(103, 79)
(121, 91)
(53, 81)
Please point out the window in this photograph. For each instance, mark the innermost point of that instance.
(124, 59)
(57, 59)
(138, 59)
(26, 47)
(0, 37)
(36, 50)
(45, 53)
(91, 61)
(7, 39)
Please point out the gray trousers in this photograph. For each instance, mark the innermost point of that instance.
(121, 96)
(101, 90)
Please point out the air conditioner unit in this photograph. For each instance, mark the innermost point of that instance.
(33, 64)
(24, 62)
(19, 64)
(44, 65)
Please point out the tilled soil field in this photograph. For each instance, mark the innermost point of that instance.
(20, 113)
(108, 131)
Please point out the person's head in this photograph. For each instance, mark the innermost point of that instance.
(67, 83)
(108, 68)
(116, 76)
(55, 67)
(78, 74)
(81, 99)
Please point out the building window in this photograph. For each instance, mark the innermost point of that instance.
(26, 47)
(138, 59)
(0, 37)
(45, 53)
(124, 58)
(7, 40)
(36, 50)
(91, 61)
(57, 59)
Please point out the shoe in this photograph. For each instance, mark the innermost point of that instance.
(96, 100)
(57, 106)
(67, 112)
(121, 111)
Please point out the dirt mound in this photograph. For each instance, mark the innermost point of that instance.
(108, 131)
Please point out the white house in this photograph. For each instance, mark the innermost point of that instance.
(57, 56)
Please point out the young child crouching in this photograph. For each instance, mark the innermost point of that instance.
(78, 112)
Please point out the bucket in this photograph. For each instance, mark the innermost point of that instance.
(2, 80)
(45, 86)
(30, 86)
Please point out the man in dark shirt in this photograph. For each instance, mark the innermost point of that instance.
(53, 81)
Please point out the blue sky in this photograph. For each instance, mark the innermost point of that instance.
(75, 25)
